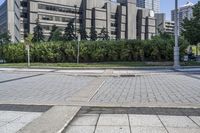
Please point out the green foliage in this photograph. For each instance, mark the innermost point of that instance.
(69, 34)
(5, 37)
(55, 34)
(14, 53)
(104, 34)
(38, 33)
(93, 34)
(191, 28)
(83, 33)
(157, 49)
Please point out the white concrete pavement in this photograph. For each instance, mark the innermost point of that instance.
(12, 121)
(133, 123)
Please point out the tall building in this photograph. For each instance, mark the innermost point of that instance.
(10, 19)
(149, 4)
(120, 18)
(163, 25)
(185, 11)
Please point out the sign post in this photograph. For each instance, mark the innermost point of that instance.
(176, 47)
(28, 55)
(78, 48)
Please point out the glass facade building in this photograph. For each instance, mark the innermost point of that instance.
(149, 4)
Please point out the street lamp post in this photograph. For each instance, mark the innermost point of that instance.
(77, 37)
(75, 6)
(2, 53)
(176, 47)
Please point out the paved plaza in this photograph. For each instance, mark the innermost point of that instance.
(132, 123)
(151, 98)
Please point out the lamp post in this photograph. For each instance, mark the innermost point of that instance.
(176, 47)
(77, 37)
(2, 53)
(75, 6)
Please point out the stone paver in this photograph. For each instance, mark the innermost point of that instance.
(183, 130)
(53, 121)
(155, 89)
(148, 130)
(80, 129)
(118, 123)
(145, 120)
(112, 129)
(85, 120)
(196, 119)
(43, 89)
(12, 121)
(10, 76)
(113, 120)
(178, 122)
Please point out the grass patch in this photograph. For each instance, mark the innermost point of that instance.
(99, 65)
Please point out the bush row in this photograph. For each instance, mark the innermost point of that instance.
(157, 49)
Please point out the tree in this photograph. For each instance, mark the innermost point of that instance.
(83, 33)
(93, 34)
(104, 34)
(5, 37)
(38, 33)
(191, 28)
(55, 34)
(69, 34)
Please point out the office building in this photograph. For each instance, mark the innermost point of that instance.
(185, 11)
(163, 25)
(10, 19)
(149, 4)
(120, 18)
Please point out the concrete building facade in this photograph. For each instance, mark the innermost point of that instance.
(163, 25)
(185, 11)
(149, 4)
(121, 18)
(10, 19)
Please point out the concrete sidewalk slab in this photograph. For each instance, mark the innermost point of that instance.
(85, 120)
(148, 129)
(145, 120)
(53, 121)
(112, 129)
(113, 120)
(183, 130)
(80, 129)
(178, 122)
(12, 121)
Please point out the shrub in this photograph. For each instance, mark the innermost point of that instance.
(157, 49)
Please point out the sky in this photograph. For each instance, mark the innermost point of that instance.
(166, 5)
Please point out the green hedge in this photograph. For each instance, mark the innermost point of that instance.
(157, 49)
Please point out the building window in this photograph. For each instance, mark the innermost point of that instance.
(24, 15)
(114, 16)
(24, 4)
(65, 20)
(45, 17)
(58, 9)
(47, 28)
(113, 32)
(114, 24)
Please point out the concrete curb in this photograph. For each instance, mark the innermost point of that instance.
(53, 121)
